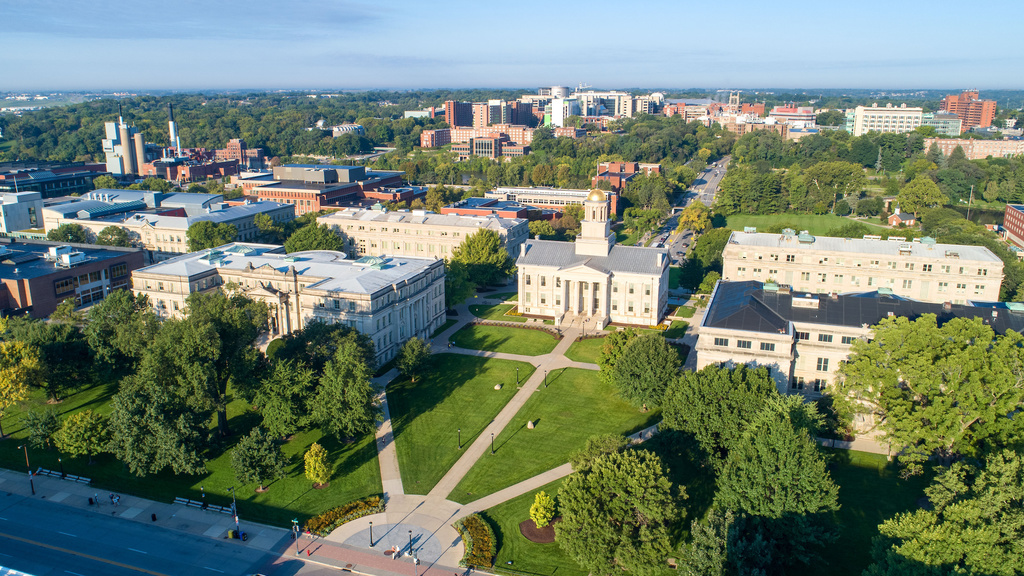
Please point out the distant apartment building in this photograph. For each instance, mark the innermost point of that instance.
(888, 118)
(689, 112)
(493, 146)
(977, 149)
(312, 187)
(36, 276)
(944, 123)
(973, 111)
(618, 174)
(376, 232)
(1013, 224)
(388, 299)
(561, 108)
(802, 337)
(522, 135)
(543, 197)
(458, 114)
(794, 114)
(158, 222)
(237, 149)
(921, 270)
(741, 124)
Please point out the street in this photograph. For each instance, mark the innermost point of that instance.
(702, 189)
(42, 538)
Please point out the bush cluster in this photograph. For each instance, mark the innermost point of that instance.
(322, 524)
(479, 541)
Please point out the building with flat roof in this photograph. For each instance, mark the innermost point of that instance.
(313, 187)
(237, 149)
(976, 148)
(792, 114)
(802, 337)
(158, 222)
(390, 299)
(20, 211)
(920, 269)
(543, 197)
(1013, 224)
(474, 206)
(972, 110)
(593, 282)
(943, 122)
(618, 174)
(48, 183)
(420, 233)
(36, 276)
(875, 118)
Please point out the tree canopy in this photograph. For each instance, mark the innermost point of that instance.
(257, 458)
(69, 232)
(643, 371)
(114, 236)
(486, 260)
(204, 234)
(919, 194)
(314, 236)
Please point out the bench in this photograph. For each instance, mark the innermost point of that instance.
(70, 477)
(201, 506)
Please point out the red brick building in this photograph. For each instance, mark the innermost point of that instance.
(311, 188)
(618, 174)
(972, 111)
(755, 108)
(458, 113)
(1013, 224)
(239, 151)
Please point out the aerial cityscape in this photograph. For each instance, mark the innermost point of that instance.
(301, 290)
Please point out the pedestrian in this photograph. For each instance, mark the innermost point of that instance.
(111, 498)
(117, 499)
(96, 498)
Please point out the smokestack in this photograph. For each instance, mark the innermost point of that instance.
(173, 130)
(140, 152)
(120, 116)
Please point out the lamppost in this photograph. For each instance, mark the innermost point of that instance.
(545, 378)
(492, 443)
(202, 490)
(410, 542)
(31, 483)
(371, 534)
(517, 376)
(460, 438)
(295, 534)
(61, 462)
(234, 511)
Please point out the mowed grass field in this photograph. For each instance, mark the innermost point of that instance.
(505, 339)
(816, 225)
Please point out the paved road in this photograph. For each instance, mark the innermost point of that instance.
(703, 189)
(45, 538)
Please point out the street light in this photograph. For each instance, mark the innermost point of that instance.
(202, 490)
(492, 443)
(371, 534)
(234, 511)
(545, 378)
(295, 534)
(517, 376)
(31, 483)
(460, 438)
(61, 462)
(410, 542)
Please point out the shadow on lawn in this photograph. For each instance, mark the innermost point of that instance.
(409, 401)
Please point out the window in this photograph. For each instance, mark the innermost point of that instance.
(945, 269)
(822, 364)
(630, 288)
(615, 287)
(629, 307)
(825, 338)
(798, 383)
(803, 335)
(874, 263)
(351, 306)
(647, 289)
(979, 289)
(839, 278)
(822, 278)
(721, 341)
(558, 282)
(790, 258)
(892, 265)
(848, 339)
(527, 278)
(943, 286)
(741, 271)
(745, 344)
(908, 265)
(118, 270)
(926, 267)
(767, 346)
(908, 284)
(982, 271)
(64, 286)
(961, 286)
(543, 281)
(805, 276)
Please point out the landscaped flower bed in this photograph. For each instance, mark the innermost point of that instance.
(479, 541)
(323, 524)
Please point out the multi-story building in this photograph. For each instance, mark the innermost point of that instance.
(793, 114)
(973, 111)
(458, 113)
(182, 169)
(501, 208)
(874, 118)
(976, 148)
(921, 270)
(238, 150)
(388, 299)
(593, 281)
(311, 188)
(618, 174)
(20, 211)
(376, 232)
(494, 146)
(518, 135)
(1013, 224)
(689, 112)
(36, 276)
(50, 183)
(542, 197)
(562, 108)
(802, 337)
(741, 124)
(158, 222)
(943, 122)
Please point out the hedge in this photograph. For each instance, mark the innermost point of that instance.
(478, 539)
(322, 524)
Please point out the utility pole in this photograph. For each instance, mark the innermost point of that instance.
(31, 483)
(234, 511)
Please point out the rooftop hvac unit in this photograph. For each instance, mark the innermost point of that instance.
(70, 259)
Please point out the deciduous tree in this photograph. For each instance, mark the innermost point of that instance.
(542, 510)
(69, 232)
(283, 397)
(695, 217)
(595, 447)
(648, 363)
(922, 192)
(83, 434)
(114, 236)
(485, 258)
(413, 357)
(257, 458)
(345, 403)
(317, 469)
(41, 426)
(314, 236)
(205, 234)
(120, 327)
(19, 368)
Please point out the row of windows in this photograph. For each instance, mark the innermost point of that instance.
(745, 344)
(630, 308)
(822, 278)
(890, 264)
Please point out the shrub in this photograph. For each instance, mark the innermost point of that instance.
(479, 541)
(322, 524)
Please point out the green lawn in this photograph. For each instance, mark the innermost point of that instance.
(575, 406)
(588, 350)
(870, 491)
(356, 472)
(447, 324)
(527, 557)
(685, 311)
(676, 330)
(503, 296)
(458, 392)
(495, 312)
(505, 339)
(816, 225)
(675, 274)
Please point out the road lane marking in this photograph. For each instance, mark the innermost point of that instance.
(81, 554)
(75, 573)
(139, 551)
(214, 569)
(66, 534)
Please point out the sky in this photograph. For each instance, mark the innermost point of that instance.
(119, 45)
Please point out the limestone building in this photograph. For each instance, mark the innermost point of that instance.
(922, 270)
(375, 231)
(389, 299)
(593, 280)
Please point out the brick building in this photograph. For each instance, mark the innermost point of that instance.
(458, 113)
(618, 174)
(976, 149)
(237, 149)
(973, 112)
(311, 188)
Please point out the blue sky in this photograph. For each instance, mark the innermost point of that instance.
(341, 44)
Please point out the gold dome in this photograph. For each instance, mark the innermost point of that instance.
(596, 195)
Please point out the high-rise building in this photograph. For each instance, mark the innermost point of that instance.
(864, 119)
(458, 113)
(973, 112)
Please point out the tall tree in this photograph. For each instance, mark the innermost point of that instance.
(317, 343)
(120, 327)
(777, 476)
(204, 234)
(19, 368)
(922, 192)
(317, 469)
(314, 236)
(485, 258)
(936, 391)
(283, 397)
(413, 357)
(827, 182)
(64, 359)
(41, 426)
(83, 434)
(696, 217)
(716, 405)
(114, 236)
(457, 285)
(726, 544)
(69, 232)
(257, 458)
(612, 349)
(596, 446)
(345, 404)
(615, 517)
(647, 365)
(975, 524)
